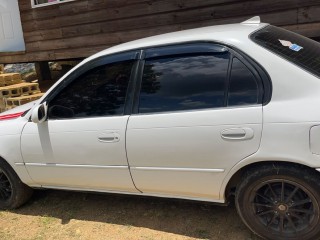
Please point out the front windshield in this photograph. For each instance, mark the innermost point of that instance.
(295, 48)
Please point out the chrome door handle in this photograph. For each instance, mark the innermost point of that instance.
(109, 137)
(237, 133)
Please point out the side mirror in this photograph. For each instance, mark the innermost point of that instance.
(39, 113)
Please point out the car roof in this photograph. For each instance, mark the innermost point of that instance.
(228, 34)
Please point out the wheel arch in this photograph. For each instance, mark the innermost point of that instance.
(229, 185)
(2, 159)
(19, 170)
(14, 192)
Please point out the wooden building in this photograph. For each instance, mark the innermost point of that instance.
(72, 29)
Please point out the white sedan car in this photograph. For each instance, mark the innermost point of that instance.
(201, 114)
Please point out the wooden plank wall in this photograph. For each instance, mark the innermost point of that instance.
(83, 27)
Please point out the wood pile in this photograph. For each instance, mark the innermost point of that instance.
(15, 92)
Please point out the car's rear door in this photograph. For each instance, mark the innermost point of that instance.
(82, 143)
(198, 112)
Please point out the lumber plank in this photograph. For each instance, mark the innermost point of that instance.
(164, 25)
(248, 7)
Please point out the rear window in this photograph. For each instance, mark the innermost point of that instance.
(297, 49)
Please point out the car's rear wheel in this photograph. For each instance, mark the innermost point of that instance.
(280, 202)
(13, 193)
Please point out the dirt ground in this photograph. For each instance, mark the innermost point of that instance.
(72, 215)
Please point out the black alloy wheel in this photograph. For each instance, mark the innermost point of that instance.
(281, 203)
(13, 192)
(284, 207)
(5, 187)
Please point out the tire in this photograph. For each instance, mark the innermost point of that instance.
(280, 202)
(13, 192)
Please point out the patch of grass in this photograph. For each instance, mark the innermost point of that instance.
(14, 218)
(45, 223)
(40, 237)
(203, 234)
(71, 213)
(47, 220)
(73, 233)
(4, 235)
(128, 226)
(148, 238)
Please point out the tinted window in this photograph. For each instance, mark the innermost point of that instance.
(243, 88)
(99, 92)
(184, 82)
(294, 47)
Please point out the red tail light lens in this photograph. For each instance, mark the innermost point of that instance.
(11, 116)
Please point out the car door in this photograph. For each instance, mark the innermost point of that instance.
(82, 143)
(197, 114)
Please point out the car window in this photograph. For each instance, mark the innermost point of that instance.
(243, 88)
(99, 92)
(295, 48)
(184, 82)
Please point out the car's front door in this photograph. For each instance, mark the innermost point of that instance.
(82, 143)
(199, 112)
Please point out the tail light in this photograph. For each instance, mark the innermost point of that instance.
(10, 116)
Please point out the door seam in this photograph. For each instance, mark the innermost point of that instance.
(125, 145)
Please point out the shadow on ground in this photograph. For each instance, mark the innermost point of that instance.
(186, 218)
